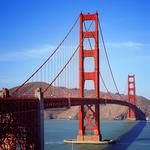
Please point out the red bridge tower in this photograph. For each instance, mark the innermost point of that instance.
(131, 96)
(89, 114)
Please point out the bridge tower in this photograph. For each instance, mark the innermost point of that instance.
(89, 114)
(131, 96)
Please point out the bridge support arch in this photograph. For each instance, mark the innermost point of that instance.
(131, 96)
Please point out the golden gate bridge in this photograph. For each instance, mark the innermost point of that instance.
(67, 67)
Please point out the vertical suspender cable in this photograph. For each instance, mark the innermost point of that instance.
(49, 56)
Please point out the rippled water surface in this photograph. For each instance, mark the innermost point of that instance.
(129, 135)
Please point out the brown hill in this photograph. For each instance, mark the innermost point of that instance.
(106, 111)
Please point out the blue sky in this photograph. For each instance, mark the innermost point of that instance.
(29, 27)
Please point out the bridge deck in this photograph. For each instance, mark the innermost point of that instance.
(12, 104)
(21, 115)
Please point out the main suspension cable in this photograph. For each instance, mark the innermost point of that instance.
(66, 62)
(108, 58)
(49, 56)
(99, 72)
(105, 85)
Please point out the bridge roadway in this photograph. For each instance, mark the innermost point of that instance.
(56, 102)
(21, 117)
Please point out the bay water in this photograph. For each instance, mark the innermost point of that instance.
(132, 135)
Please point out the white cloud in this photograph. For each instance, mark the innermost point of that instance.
(30, 54)
(25, 54)
(42, 52)
(125, 45)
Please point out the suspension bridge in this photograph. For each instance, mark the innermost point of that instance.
(74, 66)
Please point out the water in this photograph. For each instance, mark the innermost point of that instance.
(129, 135)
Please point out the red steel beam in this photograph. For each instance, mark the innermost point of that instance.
(131, 95)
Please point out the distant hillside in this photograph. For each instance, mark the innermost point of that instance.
(106, 111)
